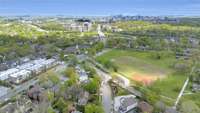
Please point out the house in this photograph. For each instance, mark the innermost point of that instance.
(12, 63)
(122, 80)
(72, 109)
(77, 49)
(173, 39)
(24, 60)
(76, 112)
(9, 108)
(21, 105)
(83, 76)
(194, 42)
(35, 93)
(72, 50)
(21, 72)
(87, 26)
(37, 69)
(144, 107)
(50, 63)
(5, 74)
(185, 54)
(83, 98)
(4, 91)
(170, 110)
(125, 104)
(196, 87)
(19, 76)
(3, 67)
(25, 65)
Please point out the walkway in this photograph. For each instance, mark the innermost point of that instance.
(183, 88)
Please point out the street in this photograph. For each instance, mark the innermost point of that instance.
(105, 91)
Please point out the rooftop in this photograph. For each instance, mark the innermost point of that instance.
(123, 104)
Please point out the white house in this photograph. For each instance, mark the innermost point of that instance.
(5, 74)
(124, 104)
(50, 63)
(19, 76)
(21, 72)
(83, 77)
(123, 81)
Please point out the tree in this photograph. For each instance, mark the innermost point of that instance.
(50, 96)
(151, 96)
(62, 56)
(91, 108)
(92, 51)
(99, 46)
(41, 107)
(61, 105)
(184, 42)
(72, 92)
(111, 65)
(92, 86)
(50, 110)
(182, 66)
(53, 78)
(72, 59)
(71, 74)
(144, 41)
(87, 68)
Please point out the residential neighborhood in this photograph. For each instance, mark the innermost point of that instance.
(106, 56)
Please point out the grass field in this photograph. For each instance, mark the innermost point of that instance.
(141, 66)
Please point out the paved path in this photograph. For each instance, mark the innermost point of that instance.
(102, 52)
(37, 28)
(181, 92)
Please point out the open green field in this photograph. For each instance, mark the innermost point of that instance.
(142, 66)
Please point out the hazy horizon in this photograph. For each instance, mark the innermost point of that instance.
(100, 7)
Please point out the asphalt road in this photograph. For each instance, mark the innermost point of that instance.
(106, 92)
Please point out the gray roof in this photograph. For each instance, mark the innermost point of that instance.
(126, 102)
(3, 91)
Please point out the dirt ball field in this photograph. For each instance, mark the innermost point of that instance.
(145, 79)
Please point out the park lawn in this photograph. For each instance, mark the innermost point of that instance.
(129, 62)
(142, 55)
(192, 96)
(170, 86)
(139, 66)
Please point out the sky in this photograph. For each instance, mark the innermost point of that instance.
(100, 7)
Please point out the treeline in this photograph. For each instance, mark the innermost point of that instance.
(148, 43)
(141, 28)
(14, 47)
